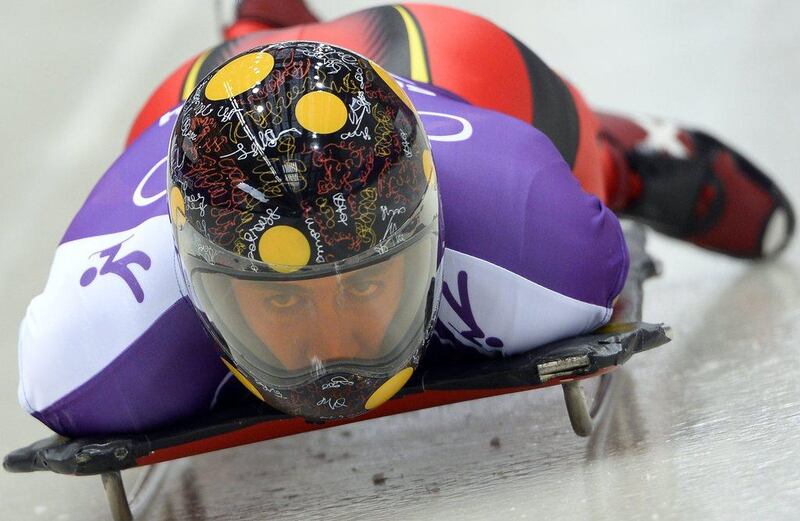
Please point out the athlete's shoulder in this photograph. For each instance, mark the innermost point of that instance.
(511, 201)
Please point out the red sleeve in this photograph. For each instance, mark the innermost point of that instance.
(163, 99)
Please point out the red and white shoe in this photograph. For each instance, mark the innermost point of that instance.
(689, 185)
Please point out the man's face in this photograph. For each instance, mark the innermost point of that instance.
(337, 317)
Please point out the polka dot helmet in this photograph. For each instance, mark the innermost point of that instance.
(305, 211)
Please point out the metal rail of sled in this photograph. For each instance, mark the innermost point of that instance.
(462, 377)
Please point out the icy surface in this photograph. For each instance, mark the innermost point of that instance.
(706, 427)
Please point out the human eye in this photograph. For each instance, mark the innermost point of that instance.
(364, 289)
(282, 301)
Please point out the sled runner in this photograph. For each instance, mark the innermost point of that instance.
(444, 376)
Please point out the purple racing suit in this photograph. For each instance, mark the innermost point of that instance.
(112, 345)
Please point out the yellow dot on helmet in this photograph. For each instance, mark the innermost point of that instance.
(284, 249)
(389, 388)
(239, 75)
(427, 165)
(392, 84)
(177, 208)
(321, 112)
(239, 376)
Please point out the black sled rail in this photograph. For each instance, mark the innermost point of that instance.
(447, 377)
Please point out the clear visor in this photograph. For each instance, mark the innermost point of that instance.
(369, 320)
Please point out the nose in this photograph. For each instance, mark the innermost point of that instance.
(334, 332)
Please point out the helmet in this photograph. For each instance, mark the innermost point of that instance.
(305, 212)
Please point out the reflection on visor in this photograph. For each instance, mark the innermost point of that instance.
(285, 332)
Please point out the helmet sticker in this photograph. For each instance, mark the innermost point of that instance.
(284, 248)
(239, 75)
(321, 112)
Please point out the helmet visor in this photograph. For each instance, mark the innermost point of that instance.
(287, 332)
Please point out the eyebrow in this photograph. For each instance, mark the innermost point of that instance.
(376, 270)
(288, 287)
(366, 273)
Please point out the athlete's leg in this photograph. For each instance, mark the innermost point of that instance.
(713, 197)
(489, 67)
(260, 15)
(689, 185)
(458, 51)
(480, 62)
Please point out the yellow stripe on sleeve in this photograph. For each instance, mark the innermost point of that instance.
(419, 66)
